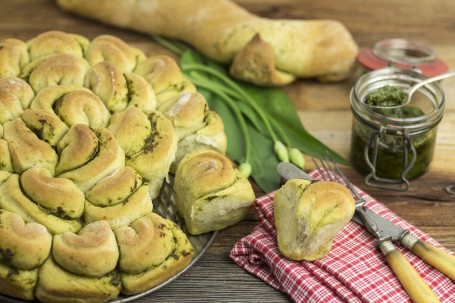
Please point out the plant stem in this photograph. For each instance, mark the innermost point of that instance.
(172, 46)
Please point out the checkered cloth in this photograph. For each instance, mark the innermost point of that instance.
(353, 271)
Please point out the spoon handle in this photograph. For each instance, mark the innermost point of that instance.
(429, 80)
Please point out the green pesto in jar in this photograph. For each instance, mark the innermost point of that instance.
(389, 163)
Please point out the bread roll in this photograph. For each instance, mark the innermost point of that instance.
(209, 137)
(91, 252)
(57, 42)
(15, 96)
(308, 217)
(107, 48)
(221, 30)
(46, 125)
(57, 195)
(54, 70)
(18, 283)
(145, 244)
(23, 245)
(88, 156)
(196, 126)
(26, 149)
(121, 214)
(149, 142)
(115, 189)
(13, 57)
(210, 193)
(57, 285)
(165, 76)
(156, 268)
(120, 90)
(73, 105)
(14, 200)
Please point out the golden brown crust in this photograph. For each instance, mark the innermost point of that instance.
(57, 195)
(92, 252)
(103, 157)
(15, 96)
(61, 286)
(63, 166)
(145, 244)
(211, 193)
(182, 253)
(302, 48)
(149, 142)
(13, 57)
(14, 200)
(73, 105)
(24, 245)
(57, 42)
(121, 214)
(107, 48)
(255, 63)
(308, 217)
(115, 188)
(55, 70)
(26, 149)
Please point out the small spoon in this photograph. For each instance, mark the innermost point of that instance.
(411, 90)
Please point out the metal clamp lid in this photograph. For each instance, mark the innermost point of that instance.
(373, 180)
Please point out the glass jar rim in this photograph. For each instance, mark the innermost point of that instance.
(394, 75)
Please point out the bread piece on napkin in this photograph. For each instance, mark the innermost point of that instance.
(308, 216)
(221, 29)
(211, 193)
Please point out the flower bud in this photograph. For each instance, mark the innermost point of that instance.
(297, 158)
(245, 169)
(281, 151)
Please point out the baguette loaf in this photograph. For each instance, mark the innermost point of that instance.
(264, 51)
(308, 217)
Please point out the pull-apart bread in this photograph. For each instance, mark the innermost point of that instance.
(308, 216)
(259, 50)
(211, 193)
(89, 131)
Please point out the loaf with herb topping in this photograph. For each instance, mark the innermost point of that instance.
(84, 150)
(211, 193)
(308, 216)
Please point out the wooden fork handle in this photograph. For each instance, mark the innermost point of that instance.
(415, 286)
(439, 259)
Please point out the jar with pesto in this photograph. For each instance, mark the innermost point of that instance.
(393, 143)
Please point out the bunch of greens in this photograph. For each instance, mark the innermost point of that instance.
(261, 124)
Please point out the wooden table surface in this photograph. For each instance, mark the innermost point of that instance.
(324, 110)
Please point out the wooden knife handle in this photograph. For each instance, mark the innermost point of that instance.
(415, 286)
(438, 258)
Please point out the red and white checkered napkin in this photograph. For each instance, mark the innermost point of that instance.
(353, 271)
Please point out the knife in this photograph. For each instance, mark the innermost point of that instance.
(442, 261)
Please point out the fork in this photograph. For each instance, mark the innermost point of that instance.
(411, 281)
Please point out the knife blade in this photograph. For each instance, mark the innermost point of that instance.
(438, 258)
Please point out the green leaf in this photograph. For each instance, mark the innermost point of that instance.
(271, 104)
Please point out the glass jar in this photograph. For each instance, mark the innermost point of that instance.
(393, 146)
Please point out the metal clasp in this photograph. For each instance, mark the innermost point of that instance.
(384, 183)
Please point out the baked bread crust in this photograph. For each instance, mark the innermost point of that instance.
(308, 216)
(211, 193)
(83, 151)
(222, 31)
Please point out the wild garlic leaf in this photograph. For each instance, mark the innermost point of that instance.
(255, 104)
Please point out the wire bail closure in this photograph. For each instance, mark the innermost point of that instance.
(372, 179)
